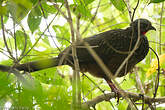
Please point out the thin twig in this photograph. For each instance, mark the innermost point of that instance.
(139, 83)
(157, 77)
(63, 14)
(76, 104)
(15, 39)
(93, 83)
(40, 36)
(48, 25)
(135, 10)
(78, 36)
(4, 38)
(157, 43)
(128, 8)
(92, 19)
(25, 46)
(140, 87)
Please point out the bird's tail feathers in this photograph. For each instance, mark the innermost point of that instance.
(38, 65)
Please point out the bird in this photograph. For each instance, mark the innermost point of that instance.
(112, 47)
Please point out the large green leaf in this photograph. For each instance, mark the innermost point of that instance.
(19, 8)
(119, 4)
(34, 19)
(156, 1)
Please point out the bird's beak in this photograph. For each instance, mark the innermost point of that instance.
(152, 28)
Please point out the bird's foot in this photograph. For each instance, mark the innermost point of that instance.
(114, 89)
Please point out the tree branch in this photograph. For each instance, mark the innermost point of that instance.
(134, 96)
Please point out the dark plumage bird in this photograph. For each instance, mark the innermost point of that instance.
(112, 47)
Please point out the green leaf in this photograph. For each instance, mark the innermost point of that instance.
(156, 1)
(84, 11)
(61, 1)
(122, 105)
(34, 19)
(88, 1)
(19, 8)
(5, 19)
(34, 1)
(61, 96)
(162, 88)
(48, 8)
(81, 7)
(3, 10)
(21, 39)
(119, 4)
(62, 33)
(46, 40)
(5, 88)
(83, 2)
(2, 43)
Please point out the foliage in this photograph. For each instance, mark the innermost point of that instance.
(35, 29)
(156, 1)
(154, 64)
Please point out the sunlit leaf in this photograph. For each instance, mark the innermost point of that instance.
(46, 40)
(3, 10)
(48, 8)
(123, 105)
(119, 4)
(62, 33)
(156, 1)
(34, 2)
(162, 88)
(22, 39)
(4, 84)
(61, 96)
(154, 64)
(34, 19)
(83, 2)
(19, 8)
(81, 7)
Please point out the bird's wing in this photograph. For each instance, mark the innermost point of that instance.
(116, 43)
(105, 44)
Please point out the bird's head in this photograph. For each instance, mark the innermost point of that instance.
(143, 24)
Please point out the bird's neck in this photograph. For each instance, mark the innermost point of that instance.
(134, 31)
